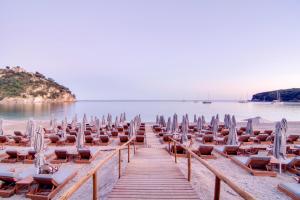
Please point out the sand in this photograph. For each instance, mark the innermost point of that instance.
(202, 179)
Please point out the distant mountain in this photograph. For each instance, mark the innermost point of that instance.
(286, 95)
(17, 85)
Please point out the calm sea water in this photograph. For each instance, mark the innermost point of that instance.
(149, 110)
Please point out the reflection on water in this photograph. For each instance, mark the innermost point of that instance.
(149, 110)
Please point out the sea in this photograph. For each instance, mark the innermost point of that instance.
(149, 109)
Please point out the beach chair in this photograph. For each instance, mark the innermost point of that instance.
(179, 151)
(262, 139)
(18, 134)
(256, 132)
(70, 139)
(54, 139)
(209, 138)
(222, 140)
(292, 138)
(228, 150)
(255, 165)
(139, 139)
(292, 164)
(245, 139)
(61, 156)
(12, 156)
(46, 186)
(123, 139)
(269, 132)
(18, 140)
(89, 140)
(114, 133)
(120, 129)
(104, 140)
(166, 138)
(9, 180)
(205, 151)
(87, 155)
(290, 189)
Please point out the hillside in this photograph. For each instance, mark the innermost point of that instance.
(17, 85)
(287, 95)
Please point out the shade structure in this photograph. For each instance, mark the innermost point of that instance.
(80, 137)
(217, 118)
(162, 121)
(227, 121)
(232, 137)
(284, 129)
(124, 117)
(212, 121)
(233, 120)
(1, 127)
(199, 124)
(174, 123)
(39, 146)
(249, 127)
(97, 125)
(169, 125)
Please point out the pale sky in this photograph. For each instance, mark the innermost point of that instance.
(156, 49)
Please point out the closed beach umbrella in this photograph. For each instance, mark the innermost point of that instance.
(131, 129)
(203, 120)
(215, 127)
(174, 123)
(184, 126)
(249, 127)
(103, 120)
(279, 145)
(157, 119)
(284, 129)
(218, 119)
(195, 119)
(169, 125)
(199, 124)
(232, 137)
(116, 122)
(212, 121)
(80, 137)
(233, 121)
(39, 149)
(1, 127)
(30, 131)
(84, 118)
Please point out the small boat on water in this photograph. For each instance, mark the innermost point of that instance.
(206, 102)
(243, 101)
(278, 100)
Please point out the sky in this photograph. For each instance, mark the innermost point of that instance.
(155, 49)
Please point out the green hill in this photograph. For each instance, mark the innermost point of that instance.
(286, 95)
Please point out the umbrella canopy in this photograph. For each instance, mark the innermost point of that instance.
(84, 118)
(162, 121)
(80, 137)
(215, 127)
(195, 119)
(232, 137)
(212, 121)
(30, 131)
(103, 120)
(279, 143)
(131, 129)
(284, 128)
(217, 118)
(116, 122)
(174, 123)
(1, 127)
(249, 127)
(169, 125)
(203, 120)
(39, 149)
(184, 127)
(233, 121)
(199, 124)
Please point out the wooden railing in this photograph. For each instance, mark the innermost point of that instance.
(219, 176)
(93, 172)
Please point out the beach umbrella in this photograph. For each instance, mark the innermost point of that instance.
(174, 123)
(103, 120)
(184, 127)
(39, 145)
(1, 127)
(217, 118)
(80, 137)
(116, 122)
(131, 129)
(30, 131)
(157, 119)
(249, 127)
(203, 121)
(199, 124)
(169, 125)
(51, 121)
(215, 127)
(232, 137)
(212, 121)
(84, 118)
(284, 129)
(124, 117)
(195, 119)
(233, 121)
(279, 150)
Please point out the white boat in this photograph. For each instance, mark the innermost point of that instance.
(278, 100)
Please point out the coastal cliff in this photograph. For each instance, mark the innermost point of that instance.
(287, 95)
(20, 86)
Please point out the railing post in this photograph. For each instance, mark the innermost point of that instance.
(95, 188)
(217, 188)
(189, 166)
(169, 147)
(128, 151)
(119, 163)
(175, 152)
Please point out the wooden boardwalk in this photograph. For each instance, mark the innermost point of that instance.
(152, 174)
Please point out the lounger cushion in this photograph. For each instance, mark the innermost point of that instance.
(293, 188)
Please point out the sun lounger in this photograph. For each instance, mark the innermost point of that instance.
(255, 165)
(9, 180)
(18, 133)
(245, 139)
(18, 140)
(205, 151)
(139, 139)
(228, 150)
(179, 151)
(123, 139)
(54, 139)
(262, 139)
(46, 186)
(87, 155)
(12, 156)
(70, 139)
(61, 156)
(291, 164)
(292, 138)
(290, 189)
(208, 139)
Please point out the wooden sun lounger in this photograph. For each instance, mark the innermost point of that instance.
(10, 179)
(87, 155)
(46, 186)
(123, 139)
(292, 164)
(255, 165)
(180, 152)
(139, 140)
(29, 159)
(61, 156)
(227, 150)
(205, 152)
(104, 140)
(11, 156)
(290, 189)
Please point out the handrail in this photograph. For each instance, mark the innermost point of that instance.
(93, 172)
(219, 175)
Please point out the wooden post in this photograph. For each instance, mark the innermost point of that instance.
(128, 152)
(189, 166)
(95, 189)
(217, 188)
(133, 147)
(175, 152)
(169, 147)
(119, 163)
